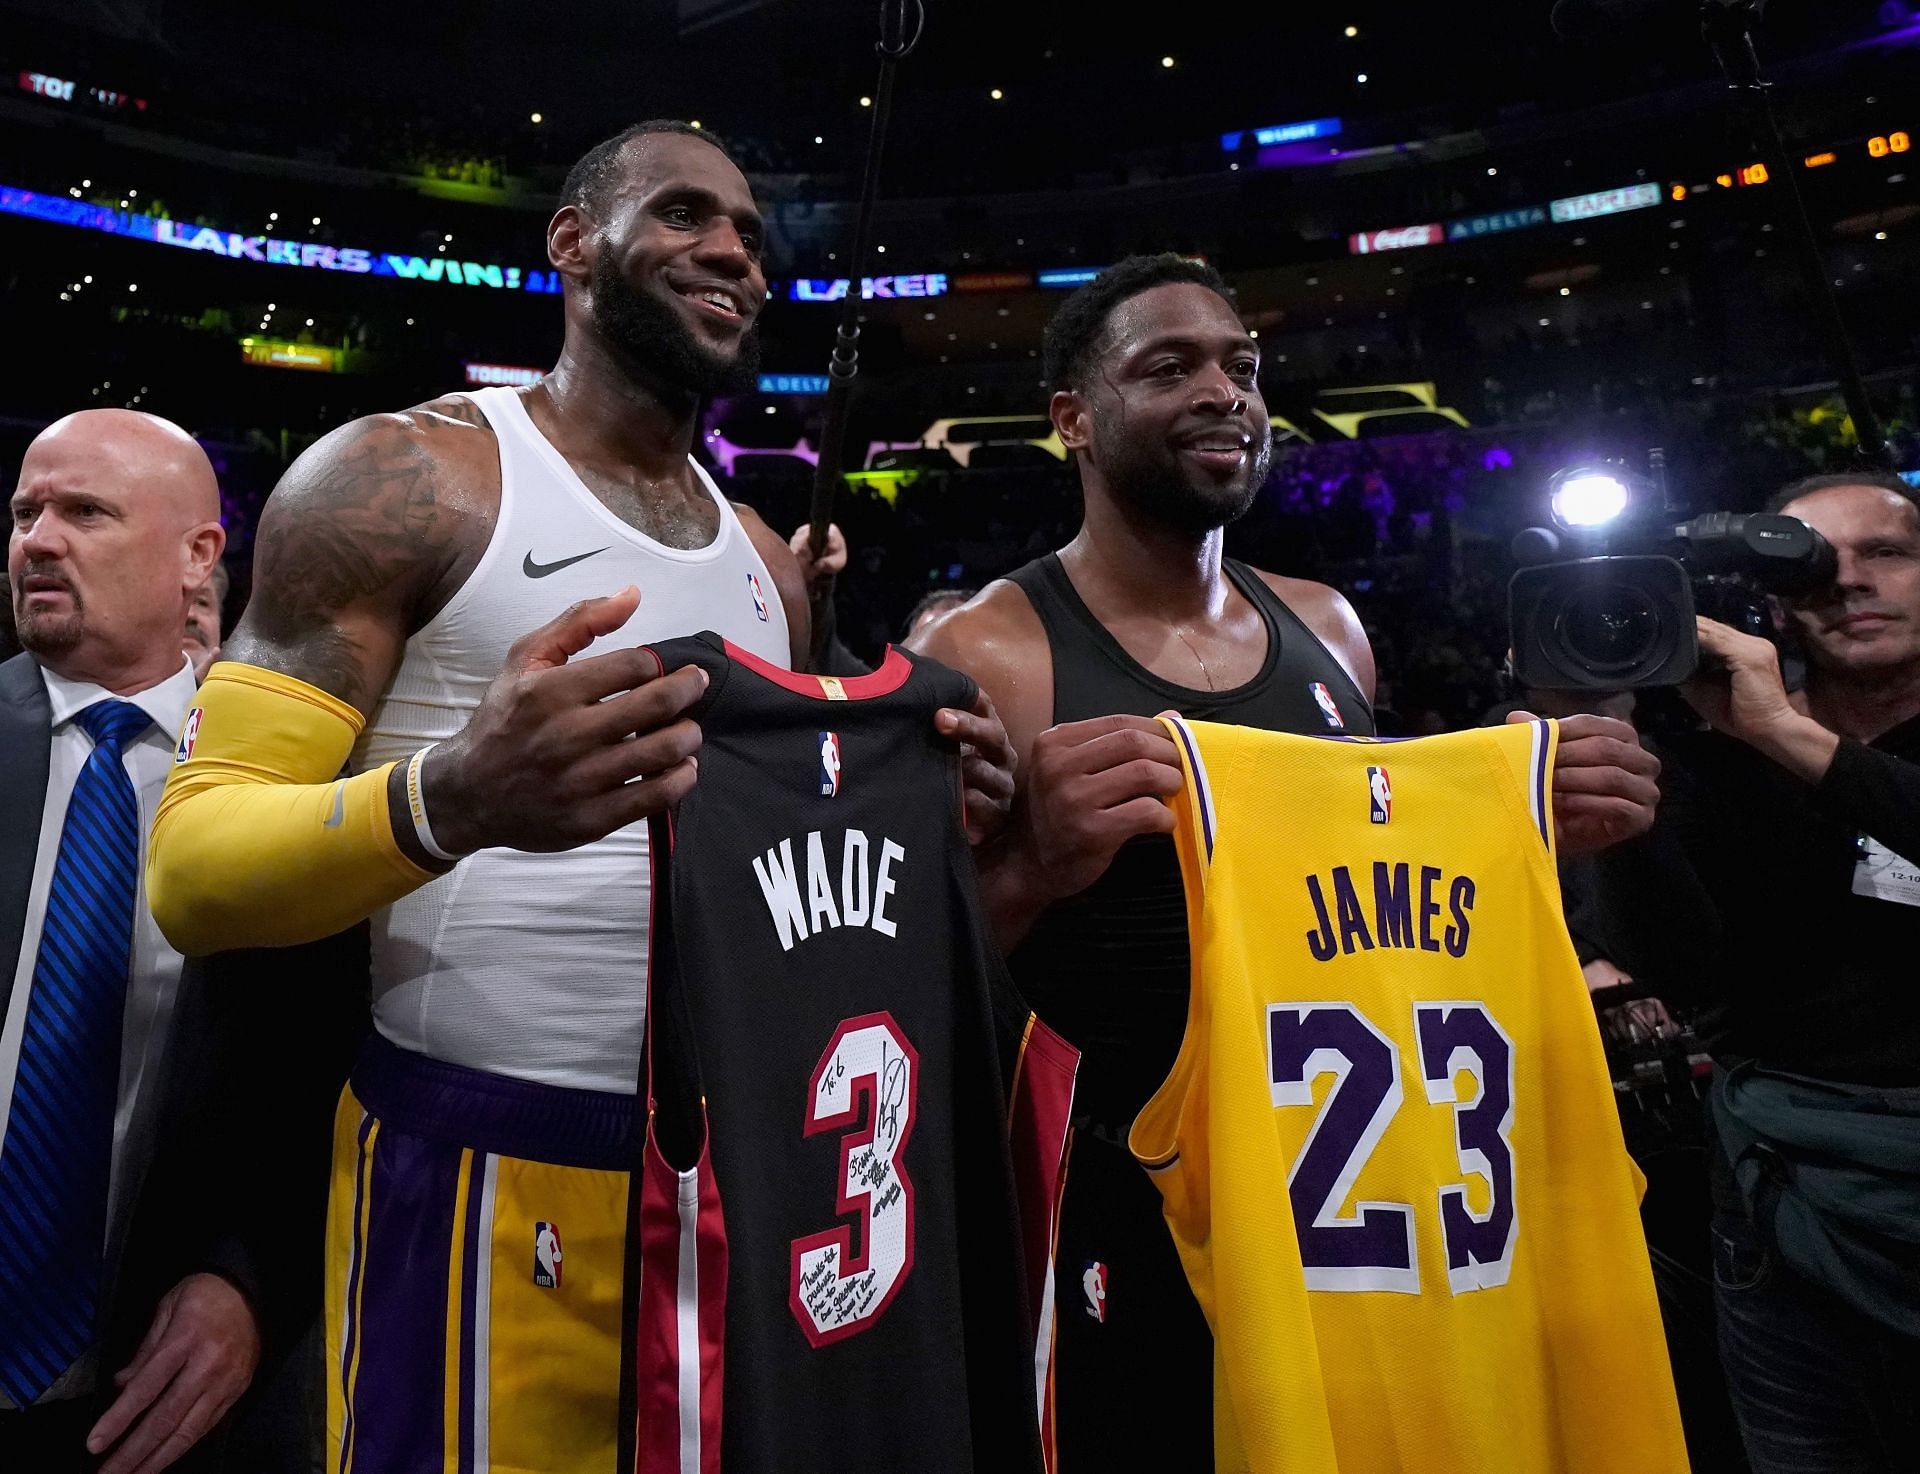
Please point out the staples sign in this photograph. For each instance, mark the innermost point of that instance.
(1403, 238)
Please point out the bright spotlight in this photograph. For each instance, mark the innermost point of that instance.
(1588, 498)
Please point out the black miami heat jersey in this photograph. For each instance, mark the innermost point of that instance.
(846, 1088)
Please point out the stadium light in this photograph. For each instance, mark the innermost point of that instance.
(1352, 32)
(1166, 61)
(1586, 496)
(535, 118)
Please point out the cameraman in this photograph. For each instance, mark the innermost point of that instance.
(1776, 891)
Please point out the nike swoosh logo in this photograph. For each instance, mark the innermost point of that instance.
(339, 806)
(541, 570)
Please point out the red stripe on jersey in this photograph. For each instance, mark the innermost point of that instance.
(683, 1285)
(712, 1319)
(888, 677)
(1039, 1112)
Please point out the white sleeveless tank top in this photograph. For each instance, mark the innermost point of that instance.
(535, 965)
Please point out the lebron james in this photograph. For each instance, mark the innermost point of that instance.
(446, 607)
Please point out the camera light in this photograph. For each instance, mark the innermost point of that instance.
(1589, 499)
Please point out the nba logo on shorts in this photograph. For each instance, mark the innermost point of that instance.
(829, 765)
(1379, 795)
(546, 1256)
(1093, 1284)
(1323, 698)
(759, 599)
(189, 735)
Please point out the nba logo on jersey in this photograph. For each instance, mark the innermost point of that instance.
(759, 599)
(1093, 1284)
(546, 1256)
(1379, 795)
(1323, 698)
(829, 765)
(189, 735)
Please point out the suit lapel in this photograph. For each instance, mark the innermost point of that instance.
(26, 740)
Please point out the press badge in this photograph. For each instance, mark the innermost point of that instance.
(1885, 876)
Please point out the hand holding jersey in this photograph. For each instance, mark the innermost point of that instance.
(1090, 787)
(986, 764)
(562, 752)
(1604, 787)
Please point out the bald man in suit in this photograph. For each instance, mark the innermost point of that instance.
(114, 524)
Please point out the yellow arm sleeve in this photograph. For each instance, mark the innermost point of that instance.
(258, 842)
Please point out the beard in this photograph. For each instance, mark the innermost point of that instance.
(1153, 481)
(47, 633)
(653, 338)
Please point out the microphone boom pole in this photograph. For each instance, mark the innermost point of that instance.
(894, 44)
(1728, 27)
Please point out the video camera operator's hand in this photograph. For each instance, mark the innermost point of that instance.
(1741, 692)
(1604, 783)
(1739, 689)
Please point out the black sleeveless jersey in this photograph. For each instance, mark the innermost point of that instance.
(1108, 967)
(844, 1085)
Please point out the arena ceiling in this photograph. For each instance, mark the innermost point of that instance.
(1081, 82)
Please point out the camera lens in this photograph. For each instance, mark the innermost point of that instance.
(1609, 627)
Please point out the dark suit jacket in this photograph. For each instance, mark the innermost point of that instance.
(261, 1043)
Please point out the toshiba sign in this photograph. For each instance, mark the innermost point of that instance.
(1403, 238)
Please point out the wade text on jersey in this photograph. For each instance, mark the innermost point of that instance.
(808, 896)
(1404, 914)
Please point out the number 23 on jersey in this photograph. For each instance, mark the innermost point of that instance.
(1372, 1247)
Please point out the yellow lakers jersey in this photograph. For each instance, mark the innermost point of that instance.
(1388, 1148)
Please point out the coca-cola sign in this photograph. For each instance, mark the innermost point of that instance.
(1394, 240)
(1400, 238)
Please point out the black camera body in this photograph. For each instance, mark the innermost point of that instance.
(1614, 610)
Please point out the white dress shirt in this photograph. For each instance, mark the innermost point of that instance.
(154, 971)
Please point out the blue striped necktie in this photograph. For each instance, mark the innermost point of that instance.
(56, 1160)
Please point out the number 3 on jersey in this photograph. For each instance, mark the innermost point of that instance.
(866, 1082)
(1373, 1248)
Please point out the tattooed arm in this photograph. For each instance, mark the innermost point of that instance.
(365, 529)
(370, 532)
(258, 842)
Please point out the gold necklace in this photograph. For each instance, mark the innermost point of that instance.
(1196, 656)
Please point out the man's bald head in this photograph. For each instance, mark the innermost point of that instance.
(143, 448)
(115, 521)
